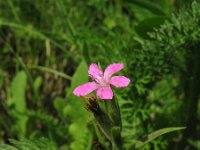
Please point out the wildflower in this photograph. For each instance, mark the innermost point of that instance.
(102, 81)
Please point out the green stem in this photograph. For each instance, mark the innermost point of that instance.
(113, 111)
(191, 82)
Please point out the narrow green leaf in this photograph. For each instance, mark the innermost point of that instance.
(42, 68)
(156, 134)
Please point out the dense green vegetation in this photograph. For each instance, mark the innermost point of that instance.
(46, 47)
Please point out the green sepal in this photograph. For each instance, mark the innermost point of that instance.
(104, 123)
(112, 108)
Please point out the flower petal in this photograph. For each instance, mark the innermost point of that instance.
(104, 93)
(95, 72)
(111, 69)
(85, 89)
(120, 81)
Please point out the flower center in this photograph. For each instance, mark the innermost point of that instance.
(101, 81)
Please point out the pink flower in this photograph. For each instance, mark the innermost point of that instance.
(102, 81)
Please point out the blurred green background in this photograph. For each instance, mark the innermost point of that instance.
(46, 47)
